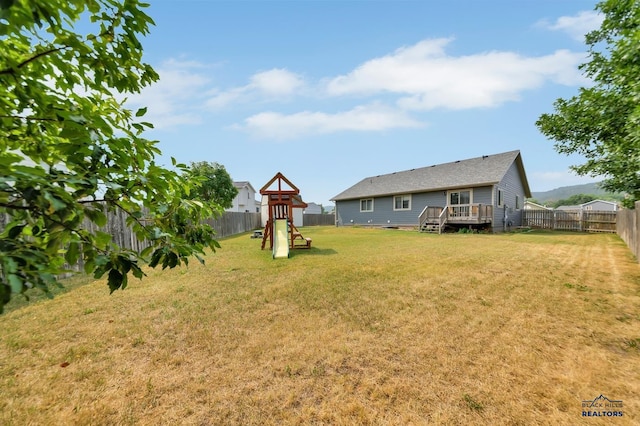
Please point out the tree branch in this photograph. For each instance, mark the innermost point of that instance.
(144, 226)
(76, 232)
(28, 118)
(12, 70)
(15, 207)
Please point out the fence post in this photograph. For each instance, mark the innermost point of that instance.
(627, 225)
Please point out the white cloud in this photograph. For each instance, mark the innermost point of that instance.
(576, 26)
(432, 79)
(272, 85)
(373, 117)
(219, 100)
(420, 77)
(176, 98)
(276, 82)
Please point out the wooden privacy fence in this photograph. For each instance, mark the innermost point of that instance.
(627, 228)
(318, 219)
(229, 223)
(571, 220)
(232, 223)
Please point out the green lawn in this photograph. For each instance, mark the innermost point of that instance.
(368, 327)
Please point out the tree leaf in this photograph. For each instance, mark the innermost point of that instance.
(72, 254)
(55, 204)
(115, 280)
(15, 231)
(6, 4)
(15, 283)
(102, 239)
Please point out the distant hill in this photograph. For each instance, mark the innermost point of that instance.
(565, 192)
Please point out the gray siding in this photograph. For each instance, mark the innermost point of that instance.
(511, 186)
(383, 214)
(483, 195)
(599, 205)
(348, 211)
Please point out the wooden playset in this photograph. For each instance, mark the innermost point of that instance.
(283, 196)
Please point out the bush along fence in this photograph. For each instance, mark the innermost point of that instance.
(627, 228)
(571, 220)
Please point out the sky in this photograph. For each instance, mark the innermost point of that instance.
(329, 92)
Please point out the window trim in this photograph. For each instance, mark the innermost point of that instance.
(458, 191)
(500, 196)
(366, 199)
(403, 198)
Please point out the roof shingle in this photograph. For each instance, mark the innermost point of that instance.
(479, 171)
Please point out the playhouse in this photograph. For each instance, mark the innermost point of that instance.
(282, 197)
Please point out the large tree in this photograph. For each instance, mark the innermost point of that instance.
(214, 183)
(602, 123)
(70, 151)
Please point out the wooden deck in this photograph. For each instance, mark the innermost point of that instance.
(436, 218)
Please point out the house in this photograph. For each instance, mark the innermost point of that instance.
(245, 201)
(594, 205)
(298, 215)
(600, 206)
(573, 207)
(530, 205)
(485, 192)
(313, 208)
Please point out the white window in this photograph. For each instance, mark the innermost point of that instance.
(500, 198)
(460, 203)
(518, 206)
(366, 205)
(402, 202)
(459, 197)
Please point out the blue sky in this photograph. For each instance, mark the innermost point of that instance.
(330, 92)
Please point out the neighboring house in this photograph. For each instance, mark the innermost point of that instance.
(569, 207)
(245, 201)
(298, 219)
(313, 208)
(483, 192)
(595, 205)
(530, 205)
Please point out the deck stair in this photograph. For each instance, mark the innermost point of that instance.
(435, 219)
(432, 228)
(432, 219)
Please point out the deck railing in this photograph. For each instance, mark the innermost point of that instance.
(465, 213)
(442, 219)
(429, 214)
(478, 213)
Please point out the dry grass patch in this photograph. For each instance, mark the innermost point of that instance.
(367, 327)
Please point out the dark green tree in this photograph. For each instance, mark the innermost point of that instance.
(70, 150)
(602, 123)
(574, 200)
(212, 184)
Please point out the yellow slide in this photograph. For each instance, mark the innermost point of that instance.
(280, 238)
